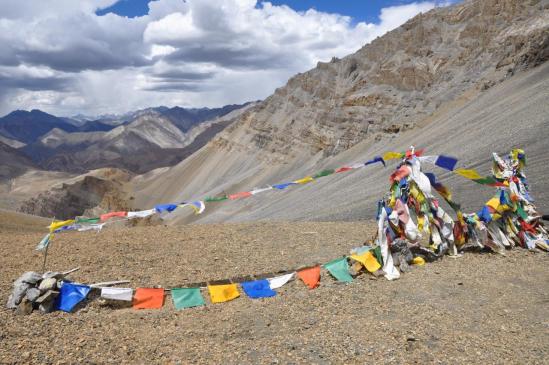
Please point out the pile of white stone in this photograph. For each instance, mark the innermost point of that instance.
(36, 291)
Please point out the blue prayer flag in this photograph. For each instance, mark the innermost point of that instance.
(258, 289)
(165, 208)
(446, 162)
(484, 214)
(283, 186)
(70, 295)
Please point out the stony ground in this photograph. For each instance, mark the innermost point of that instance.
(481, 308)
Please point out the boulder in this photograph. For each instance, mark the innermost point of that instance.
(18, 293)
(25, 307)
(30, 277)
(32, 294)
(47, 284)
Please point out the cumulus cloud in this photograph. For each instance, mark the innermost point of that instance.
(60, 56)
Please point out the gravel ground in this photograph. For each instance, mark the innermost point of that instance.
(480, 308)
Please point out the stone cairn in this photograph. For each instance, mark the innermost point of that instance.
(36, 291)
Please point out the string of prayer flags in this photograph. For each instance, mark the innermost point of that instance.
(58, 224)
(106, 216)
(279, 281)
(368, 260)
(187, 298)
(124, 294)
(305, 180)
(223, 293)
(258, 289)
(148, 298)
(142, 213)
(241, 195)
(310, 276)
(165, 208)
(70, 295)
(339, 269)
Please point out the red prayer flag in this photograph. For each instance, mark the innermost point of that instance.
(148, 298)
(310, 276)
(243, 194)
(343, 169)
(106, 216)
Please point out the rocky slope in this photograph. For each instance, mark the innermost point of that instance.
(424, 83)
(13, 162)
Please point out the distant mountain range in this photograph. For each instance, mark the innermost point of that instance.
(138, 141)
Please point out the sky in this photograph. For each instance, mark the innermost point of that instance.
(97, 57)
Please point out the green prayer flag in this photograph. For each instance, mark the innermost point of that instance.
(488, 180)
(87, 220)
(215, 198)
(521, 212)
(187, 297)
(379, 257)
(323, 173)
(339, 268)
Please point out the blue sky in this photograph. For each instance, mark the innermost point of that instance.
(359, 10)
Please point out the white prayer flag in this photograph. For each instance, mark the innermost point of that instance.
(278, 281)
(141, 213)
(117, 293)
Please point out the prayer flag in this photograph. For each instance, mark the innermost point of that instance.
(260, 190)
(58, 224)
(305, 180)
(165, 207)
(241, 195)
(278, 281)
(141, 213)
(210, 199)
(378, 255)
(87, 220)
(70, 295)
(187, 298)
(468, 174)
(106, 216)
(96, 227)
(283, 186)
(197, 206)
(310, 276)
(392, 155)
(148, 298)
(124, 294)
(44, 242)
(258, 289)
(323, 173)
(223, 293)
(446, 162)
(368, 260)
(343, 169)
(339, 268)
(374, 160)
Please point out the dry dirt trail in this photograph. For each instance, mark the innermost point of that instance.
(481, 308)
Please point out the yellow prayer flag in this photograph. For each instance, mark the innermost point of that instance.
(494, 203)
(305, 180)
(469, 174)
(59, 224)
(223, 293)
(418, 260)
(368, 260)
(392, 155)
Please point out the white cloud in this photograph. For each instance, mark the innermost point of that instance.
(60, 56)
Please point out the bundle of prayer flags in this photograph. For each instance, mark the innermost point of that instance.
(258, 289)
(310, 276)
(339, 269)
(187, 298)
(223, 293)
(148, 298)
(70, 295)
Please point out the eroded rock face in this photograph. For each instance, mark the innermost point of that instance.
(397, 80)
